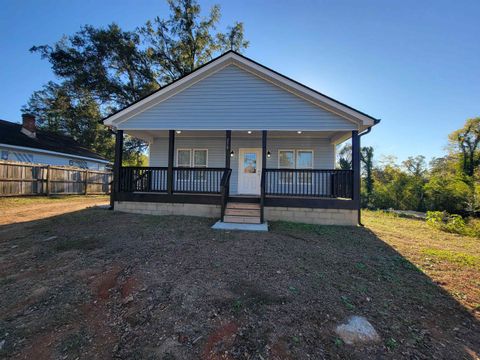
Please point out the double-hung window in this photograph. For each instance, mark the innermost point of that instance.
(305, 161)
(286, 160)
(188, 158)
(200, 157)
(295, 159)
(184, 160)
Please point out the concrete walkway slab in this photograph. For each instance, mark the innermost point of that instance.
(242, 227)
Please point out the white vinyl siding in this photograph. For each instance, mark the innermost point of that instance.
(323, 158)
(233, 98)
(48, 159)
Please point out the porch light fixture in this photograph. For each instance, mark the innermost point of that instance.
(269, 154)
(249, 131)
(232, 153)
(299, 132)
(178, 131)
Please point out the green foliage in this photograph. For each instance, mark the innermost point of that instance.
(447, 222)
(459, 258)
(101, 70)
(451, 183)
(447, 192)
(467, 141)
(135, 159)
(453, 223)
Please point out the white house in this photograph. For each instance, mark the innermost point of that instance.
(241, 142)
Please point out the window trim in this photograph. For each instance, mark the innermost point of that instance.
(294, 159)
(184, 166)
(193, 158)
(301, 179)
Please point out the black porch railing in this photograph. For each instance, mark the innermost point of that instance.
(275, 182)
(308, 183)
(143, 179)
(197, 180)
(225, 190)
(185, 180)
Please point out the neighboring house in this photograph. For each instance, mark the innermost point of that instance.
(239, 141)
(25, 143)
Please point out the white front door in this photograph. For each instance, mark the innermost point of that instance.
(249, 171)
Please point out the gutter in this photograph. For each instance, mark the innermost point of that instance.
(360, 135)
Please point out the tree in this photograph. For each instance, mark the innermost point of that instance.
(447, 192)
(467, 140)
(416, 168)
(185, 41)
(344, 157)
(344, 160)
(110, 68)
(366, 155)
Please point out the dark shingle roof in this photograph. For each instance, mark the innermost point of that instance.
(10, 134)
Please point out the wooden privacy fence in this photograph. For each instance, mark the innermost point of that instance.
(36, 179)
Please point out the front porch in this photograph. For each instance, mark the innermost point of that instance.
(241, 174)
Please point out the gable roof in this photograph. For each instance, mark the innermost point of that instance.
(232, 57)
(10, 134)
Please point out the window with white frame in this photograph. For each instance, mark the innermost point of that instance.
(305, 161)
(184, 157)
(187, 158)
(200, 157)
(295, 159)
(184, 160)
(286, 160)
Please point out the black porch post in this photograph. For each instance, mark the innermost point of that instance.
(262, 181)
(171, 152)
(356, 168)
(228, 148)
(117, 165)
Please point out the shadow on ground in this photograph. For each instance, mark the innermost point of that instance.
(97, 284)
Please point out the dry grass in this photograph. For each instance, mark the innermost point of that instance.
(450, 260)
(16, 201)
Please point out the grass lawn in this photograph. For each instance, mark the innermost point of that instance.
(96, 284)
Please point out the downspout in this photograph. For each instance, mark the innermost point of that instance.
(360, 208)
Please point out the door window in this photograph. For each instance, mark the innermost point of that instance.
(250, 163)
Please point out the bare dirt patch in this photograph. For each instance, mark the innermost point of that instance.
(96, 284)
(16, 210)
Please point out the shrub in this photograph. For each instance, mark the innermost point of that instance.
(453, 223)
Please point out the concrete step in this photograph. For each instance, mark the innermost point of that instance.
(241, 219)
(242, 212)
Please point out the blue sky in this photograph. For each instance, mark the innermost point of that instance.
(414, 64)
